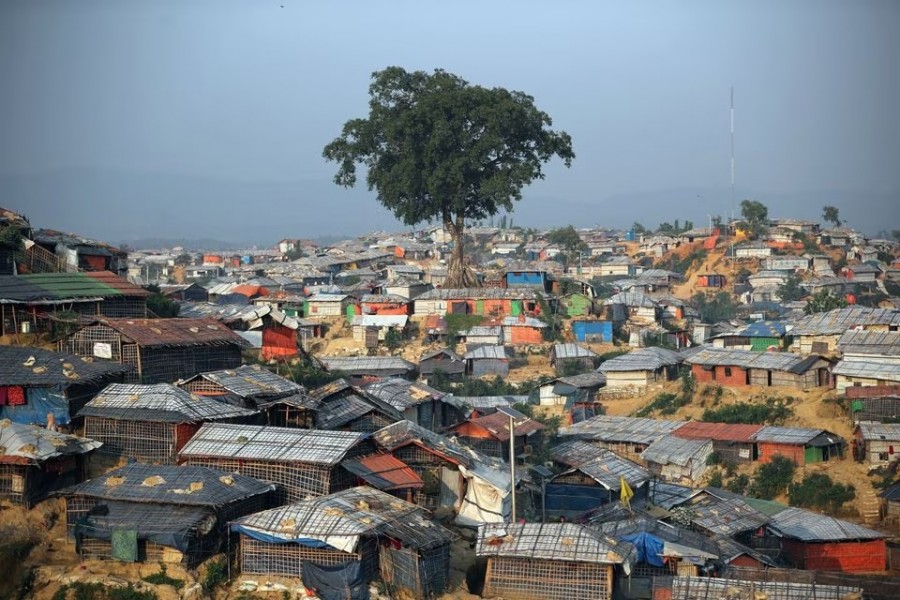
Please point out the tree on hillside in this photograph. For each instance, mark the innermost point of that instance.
(569, 240)
(823, 301)
(756, 217)
(712, 309)
(830, 215)
(436, 147)
(790, 290)
(638, 229)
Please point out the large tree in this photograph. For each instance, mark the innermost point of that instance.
(830, 214)
(756, 216)
(438, 148)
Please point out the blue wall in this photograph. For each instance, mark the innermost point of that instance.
(601, 329)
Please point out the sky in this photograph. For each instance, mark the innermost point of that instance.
(128, 119)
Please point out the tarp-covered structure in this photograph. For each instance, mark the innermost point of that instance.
(337, 543)
(36, 461)
(159, 512)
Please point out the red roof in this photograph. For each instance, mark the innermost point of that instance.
(385, 472)
(251, 291)
(498, 425)
(724, 432)
(175, 332)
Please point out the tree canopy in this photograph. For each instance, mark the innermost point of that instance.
(756, 216)
(436, 147)
(823, 301)
(830, 215)
(568, 240)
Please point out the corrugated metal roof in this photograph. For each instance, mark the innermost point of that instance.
(791, 435)
(249, 381)
(160, 402)
(169, 484)
(483, 402)
(450, 354)
(861, 341)
(610, 428)
(402, 394)
(498, 425)
(725, 432)
(774, 329)
(840, 320)
(36, 367)
(384, 472)
(809, 526)
(679, 451)
(174, 332)
(487, 352)
(608, 469)
(871, 368)
(575, 452)
(523, 321)
(380, 321)
(747, 359)
(36, 444)
(483, 331)
(585, 380)
(879, 431)
(643, 359)
(564, 351)
(634, 299)
(368, 364)
(275, 444)
(478, 294)
(552, 541)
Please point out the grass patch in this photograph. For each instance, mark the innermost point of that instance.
(163, 578)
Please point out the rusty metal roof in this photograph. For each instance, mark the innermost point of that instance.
(175, 332)
(724, 432)
(385, 472)
(498, 425)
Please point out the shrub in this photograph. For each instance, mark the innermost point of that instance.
(163, 578)
(665, 403)
(818, 491)
(772, 478)
(715, 480)
(772, 412)
(216, 575)
(739, 484)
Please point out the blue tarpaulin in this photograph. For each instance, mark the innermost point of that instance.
(39, 402)
(274, 539)
(649, 547)
(336, 582)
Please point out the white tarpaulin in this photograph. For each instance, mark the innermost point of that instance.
(483, 502)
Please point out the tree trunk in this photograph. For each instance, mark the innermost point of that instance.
(459, 275)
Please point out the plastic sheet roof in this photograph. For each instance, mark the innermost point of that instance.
(250, 380)
(861, 341)
(275, 444)
(160, 402)
(879, 431)
(169, 484)
(722, 514)
(809, 526)
(174, 332)
(608, 468)
(794, 435)
(564, 351)
(35, 444)
(498, 425)
(55, 287)
(747, 359)
(552, 541)
(670, 449)
(36, 367)
(610, 428)
(402, 394)
(519, 293)
(487, 352)
(368, 364)
(384, 472)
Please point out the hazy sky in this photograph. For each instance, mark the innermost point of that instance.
(123, 119)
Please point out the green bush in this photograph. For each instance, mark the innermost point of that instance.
(163, 578)
(715, 480)
(216, 575)
(772, 478)
(738, 484)
(772, 412)
(666, 403)
(818, 491)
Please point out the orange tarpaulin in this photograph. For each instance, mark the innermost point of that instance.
(279, 342)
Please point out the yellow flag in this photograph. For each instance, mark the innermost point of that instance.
(626, 492)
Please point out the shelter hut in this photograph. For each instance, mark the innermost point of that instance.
(366, 369)
(444, 363)
(160, 350)
(456, 476)
(523, 329)
(696, 588)
(185, 292)
(594, 478)
(873, 372)
(572, 358)
(369, 330)
(562, 561)
(350, 408)
(483, 335)
(863, 345)
(813, 541)
(36, 461)
(877, 443)
(678, 460)
(386, 473)
(735, 368)
(641, 368)
(477, 301)
(566, 395)
(282, 334)
(27, 301)
(247, 386)
(733, 443)
(576, 304)
(159, 513)
(297, 410)
(151, 423)
(820, 333)
(716, 512)
(487, 360)
(40, 386)
(337, 543)
(593, 331)
(758, 337)
(486, 405)
(326, 305)
(490, 435)
(384, 304)
(435, 328)
(300, 462)
(891, 505)
(418, 402)
(626, 436)
(802, 445)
